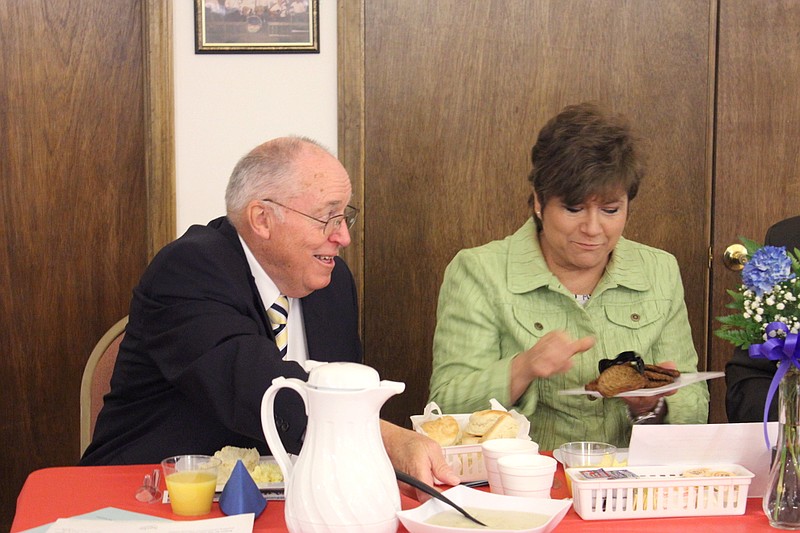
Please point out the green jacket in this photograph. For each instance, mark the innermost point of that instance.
(499, 299)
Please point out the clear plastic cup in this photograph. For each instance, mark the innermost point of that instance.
(191, 482)
(588, 454)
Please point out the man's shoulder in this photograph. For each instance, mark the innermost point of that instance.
(215, 236)
(216, 243)
(784, 233)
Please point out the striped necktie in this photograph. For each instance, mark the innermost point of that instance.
(278, 314)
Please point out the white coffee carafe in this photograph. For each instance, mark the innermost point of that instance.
(342, 481)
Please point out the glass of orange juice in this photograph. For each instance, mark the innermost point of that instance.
(586, 454)
(191, 482)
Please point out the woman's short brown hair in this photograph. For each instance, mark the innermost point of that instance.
(585, 152)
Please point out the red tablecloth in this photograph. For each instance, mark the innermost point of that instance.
(53, 493)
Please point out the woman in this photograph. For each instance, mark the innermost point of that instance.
(522, 318)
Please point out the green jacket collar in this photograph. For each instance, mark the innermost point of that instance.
(527, 269)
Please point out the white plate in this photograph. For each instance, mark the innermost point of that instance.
(414, 519)
(682, 381)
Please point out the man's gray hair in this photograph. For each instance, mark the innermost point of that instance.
(267, 171)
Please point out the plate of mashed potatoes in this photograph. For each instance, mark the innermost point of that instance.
(262, 468)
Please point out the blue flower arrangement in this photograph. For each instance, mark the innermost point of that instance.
(766, 324)
(768, 294)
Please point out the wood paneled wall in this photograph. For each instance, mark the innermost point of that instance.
(86, 195)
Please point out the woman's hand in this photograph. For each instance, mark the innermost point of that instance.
(416, 455)
(639, 405)
(551, 355)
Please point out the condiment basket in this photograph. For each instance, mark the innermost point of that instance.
(661, 491)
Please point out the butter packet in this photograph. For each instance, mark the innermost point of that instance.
(601, 473)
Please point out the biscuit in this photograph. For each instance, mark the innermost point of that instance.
(505, 427)
(443, 430)
(481, 421)
(468, 438)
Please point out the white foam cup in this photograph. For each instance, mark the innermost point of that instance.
(492, 450)
(527, 474)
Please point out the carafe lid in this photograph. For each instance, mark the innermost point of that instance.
(343, 376)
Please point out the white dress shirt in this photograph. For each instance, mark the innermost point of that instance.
(297, 349)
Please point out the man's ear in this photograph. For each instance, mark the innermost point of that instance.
(260, 218)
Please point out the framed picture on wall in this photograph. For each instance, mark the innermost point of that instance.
(256, 26)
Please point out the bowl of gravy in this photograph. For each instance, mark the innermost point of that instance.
(501, 513)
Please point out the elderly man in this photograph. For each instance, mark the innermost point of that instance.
(229, 306)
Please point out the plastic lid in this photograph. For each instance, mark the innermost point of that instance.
(344, 376)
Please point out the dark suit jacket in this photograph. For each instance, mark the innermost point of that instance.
(748, 379)
(198, 355)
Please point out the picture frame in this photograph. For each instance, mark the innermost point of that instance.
(256, 26)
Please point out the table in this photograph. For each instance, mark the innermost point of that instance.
(59, 492)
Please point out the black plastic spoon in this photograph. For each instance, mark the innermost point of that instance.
(427, 489)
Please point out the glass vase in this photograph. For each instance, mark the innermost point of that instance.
(782, 497)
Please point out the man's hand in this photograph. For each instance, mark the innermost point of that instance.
(416, 455)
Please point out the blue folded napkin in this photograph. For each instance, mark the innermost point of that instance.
(240, 494)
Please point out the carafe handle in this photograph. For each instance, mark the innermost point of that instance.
(268, 422)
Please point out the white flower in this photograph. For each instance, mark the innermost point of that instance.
(781, 306)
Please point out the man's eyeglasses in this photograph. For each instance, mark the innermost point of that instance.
(330, 225)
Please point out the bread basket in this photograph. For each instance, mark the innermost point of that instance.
(466, 459)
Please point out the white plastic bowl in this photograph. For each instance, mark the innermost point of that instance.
(414, 519)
